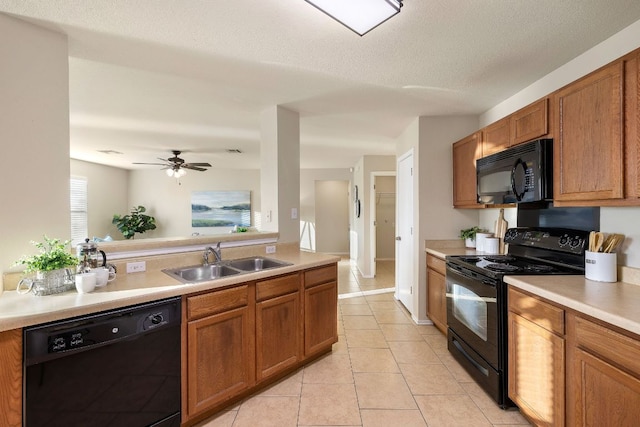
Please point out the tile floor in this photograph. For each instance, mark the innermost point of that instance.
(384, 371)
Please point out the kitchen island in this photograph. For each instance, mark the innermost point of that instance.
(286, 317)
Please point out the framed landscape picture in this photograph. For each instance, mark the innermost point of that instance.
(221, 208)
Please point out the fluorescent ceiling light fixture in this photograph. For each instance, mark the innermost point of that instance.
(360, 16)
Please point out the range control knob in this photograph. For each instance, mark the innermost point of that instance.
(575, 242)
(563, 240)
(156, 318)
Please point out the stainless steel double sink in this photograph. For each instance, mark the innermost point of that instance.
(220, 269)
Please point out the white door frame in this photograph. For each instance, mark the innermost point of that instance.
(372, 216)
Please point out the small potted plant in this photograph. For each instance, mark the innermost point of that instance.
(135, 222)
(54, 265)
(469, 236)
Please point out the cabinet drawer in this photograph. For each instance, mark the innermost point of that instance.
(217, 301)
(437, 264)
(619, 349)
(275, 287)
(320, 275)
(539, 312)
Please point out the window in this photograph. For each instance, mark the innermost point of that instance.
(79, 222)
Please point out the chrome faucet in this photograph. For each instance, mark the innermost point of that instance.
(215, 251)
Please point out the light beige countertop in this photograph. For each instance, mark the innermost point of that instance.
(615, 303)
(442, 248)
(17, 311)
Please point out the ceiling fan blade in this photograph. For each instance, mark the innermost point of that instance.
(205, 165)
(153, 164)
(195, 168)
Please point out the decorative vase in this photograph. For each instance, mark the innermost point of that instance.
(470, 242)
(54, 281)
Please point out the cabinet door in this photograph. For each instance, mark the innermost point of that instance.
(536, 371)
(278, 334)
(11, 378)
(220, 358)
(465, 153)
(436, 304)
(589, 145)
(496, 137)
(530, 123)
(603, 394)
(320, 317)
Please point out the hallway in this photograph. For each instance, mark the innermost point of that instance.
(384, 371)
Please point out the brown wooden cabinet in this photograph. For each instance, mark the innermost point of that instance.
(220, 355)
(278, 325)
(496, 137)
(465, 153)
(530, 122)
(436, 292)
(604, 375)
(320, 309)
(11, 378)
(536, 358)
(589, 147)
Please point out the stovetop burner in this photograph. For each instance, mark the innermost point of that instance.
(502, 267)
(500, 258)
(539, 268)
(470, 259)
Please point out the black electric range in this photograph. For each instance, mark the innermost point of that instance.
(477, 297)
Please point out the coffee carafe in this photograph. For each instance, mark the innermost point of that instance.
(90, 256)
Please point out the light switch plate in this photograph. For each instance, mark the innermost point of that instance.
(271, 249)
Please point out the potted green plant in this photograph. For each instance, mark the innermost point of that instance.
(54, 265)
(135, 222)
(469, 236)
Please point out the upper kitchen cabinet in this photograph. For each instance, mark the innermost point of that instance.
(596, 146)
(465, 153)
(524, 125)
(530, 122)
(496, 136)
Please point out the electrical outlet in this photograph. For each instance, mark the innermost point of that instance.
(136, 267)
(271, 249)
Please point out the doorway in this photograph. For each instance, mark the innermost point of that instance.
(383, 230)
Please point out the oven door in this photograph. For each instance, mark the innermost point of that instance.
(472, 311)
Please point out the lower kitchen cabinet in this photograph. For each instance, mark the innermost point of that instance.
(220, 348)
(278, 325)
(436, 292)
(241, 338)
(320, 309)
(11, 378)
(536, 359)
(604, 376)
(548, 343)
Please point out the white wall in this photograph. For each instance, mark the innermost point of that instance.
(619, 220)
(308, 214)
(434, 217)
(108, 192)
(34, 134)
(361, 226)
(170, 202)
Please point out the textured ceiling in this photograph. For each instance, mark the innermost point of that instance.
(149, 76)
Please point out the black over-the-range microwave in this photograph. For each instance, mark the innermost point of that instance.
(523, 173)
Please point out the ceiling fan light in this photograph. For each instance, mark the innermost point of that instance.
(361, 16)
(170, 173)
(180, 173)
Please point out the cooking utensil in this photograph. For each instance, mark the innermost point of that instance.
(598, 240)
(612, 242)
(501, 229)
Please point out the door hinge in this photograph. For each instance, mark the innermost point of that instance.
(411, 230)
(411, 290)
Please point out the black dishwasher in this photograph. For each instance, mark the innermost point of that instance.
(114, 368)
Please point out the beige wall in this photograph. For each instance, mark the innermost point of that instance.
(332, 216)
(34, 133)
(308, 212)
(169, 201)
(612, 220)
(108, 191)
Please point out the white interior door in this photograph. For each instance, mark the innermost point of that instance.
(404, 236)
